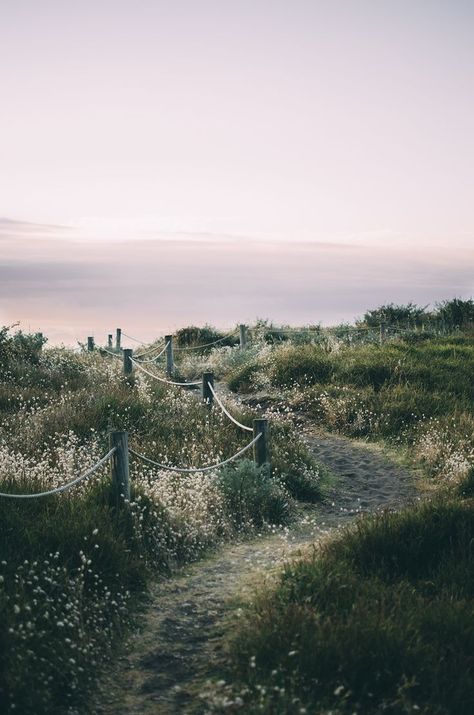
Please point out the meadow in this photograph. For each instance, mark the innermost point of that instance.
(74, 567)
(378, 619)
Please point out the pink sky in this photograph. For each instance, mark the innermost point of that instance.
(218, 161)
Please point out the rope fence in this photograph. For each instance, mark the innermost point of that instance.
(206, 345)
(64, 487)
(153, 359)
(162, 379)
(135, 340)
(151, 350)
(109, 352)
(236, 422)
(193, 470)
(118, 441)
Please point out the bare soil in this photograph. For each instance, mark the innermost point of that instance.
(180, 643)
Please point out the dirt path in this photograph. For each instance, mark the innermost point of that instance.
(179, 644)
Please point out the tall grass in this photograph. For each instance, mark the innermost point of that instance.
(380, 619)
(71, 565)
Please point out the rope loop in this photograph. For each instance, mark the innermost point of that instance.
(232, 419)
(193, 470)
(153, 359)
(63, 488)
(161, 379)
(110, 353)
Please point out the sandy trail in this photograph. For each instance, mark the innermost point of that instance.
(180, 641)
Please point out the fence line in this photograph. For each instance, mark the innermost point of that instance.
(151, 350)
(236, 422)
(193, 470)
(135, 340)
(162, 379)
(109, 352)
(63, 488)
(143, 362)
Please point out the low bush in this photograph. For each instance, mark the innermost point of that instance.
(242, 379)
(253, 496)
(193, 336)
(305, 364)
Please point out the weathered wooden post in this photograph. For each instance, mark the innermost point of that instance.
(169, 355)
(127, 361)
(243, 336)
(90, 343)
(206, 392)
(261, 448)
(119, 468)
(118, 338)
(382, 332)
(109, 341)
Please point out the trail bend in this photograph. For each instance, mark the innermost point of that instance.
(179, 644)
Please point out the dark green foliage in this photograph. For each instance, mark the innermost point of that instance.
(59, 553)
(381, 621)
(306, 364)
(253, 496)
(19, 347)
(407, 316)
(240, 379)
(192, 336)
(456, 313)
(466, 487)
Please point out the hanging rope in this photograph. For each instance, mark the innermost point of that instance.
(206, 345)
(239, 424)
(63, 488)
(192, 470)
(161, 379)
(148, 352)
(135, 340)
(110, 353)
(153, 359)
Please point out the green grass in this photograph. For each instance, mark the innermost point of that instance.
(379, 620)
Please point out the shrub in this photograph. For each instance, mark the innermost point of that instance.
(456, 313)
(242, 378)
(400, 315)
(305, 364)
(252, 496)
(193, 336)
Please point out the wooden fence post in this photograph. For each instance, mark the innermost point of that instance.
(382, 333)
(261, 448)
(119, 467)
(109, 341)
(206, 392)
(127, 361)
(169, 355)
(243, 336)
(118, 338)
(90, 343)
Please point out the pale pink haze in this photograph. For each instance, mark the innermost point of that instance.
(163, 163)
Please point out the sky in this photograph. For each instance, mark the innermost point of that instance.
(167, 163)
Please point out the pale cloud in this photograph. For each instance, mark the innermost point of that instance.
(71, 288)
